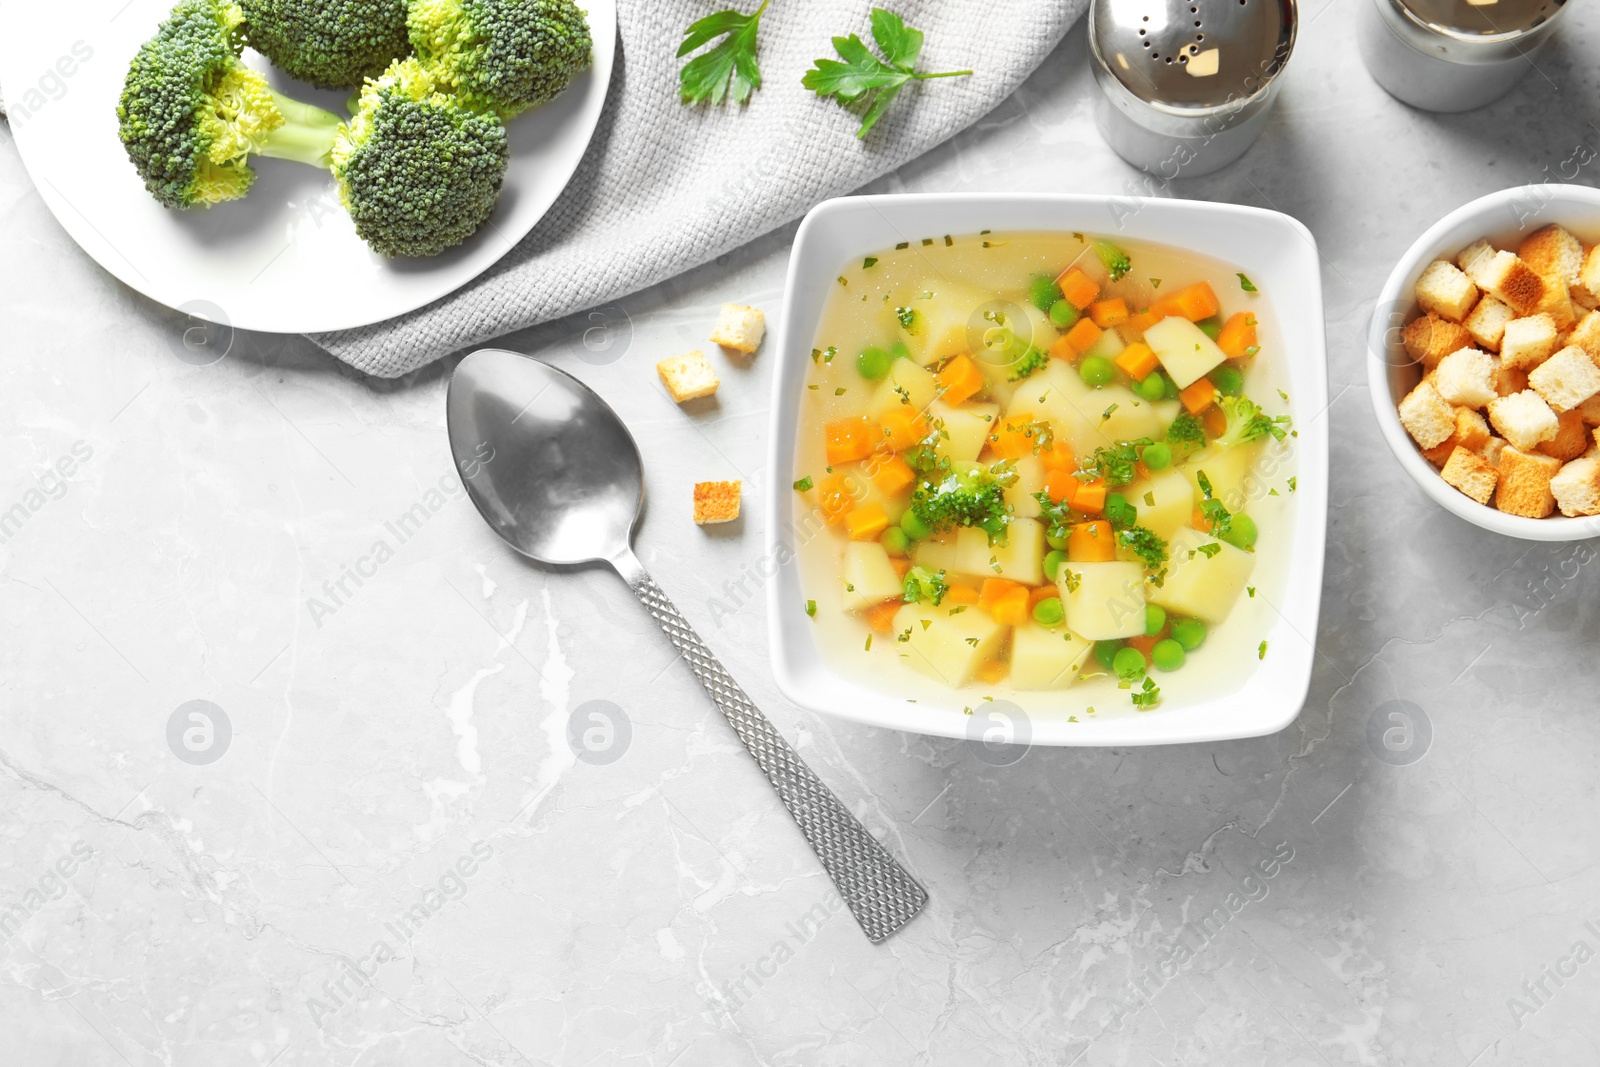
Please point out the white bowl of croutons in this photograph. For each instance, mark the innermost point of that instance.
(1484, 362)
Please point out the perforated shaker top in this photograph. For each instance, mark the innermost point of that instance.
(1193, 53)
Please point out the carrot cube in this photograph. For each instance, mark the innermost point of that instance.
(1058, 457)
(990, 672)
(960, 594)
(1060, 485)
(1199, 396)
(1091, 542)
(903, 427)
(893, 474)
(1137, 361)
(1214, 421)
(1109, 313)
(881, 616)
(1144, 644)
(1079, 289)
(866, 522)
(1090, 496)
(1062, 349)
(1082, 335)
(1194, 302)
(1040, 592)
(959, 380)
(850, 439)
(1015, 436)
(1005, 600)
(1140, 322)
(836, 496)
(1238, 335)
(901, 565)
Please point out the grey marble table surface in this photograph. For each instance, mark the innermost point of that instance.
(394, 856)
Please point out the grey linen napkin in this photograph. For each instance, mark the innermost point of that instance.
(665, 187)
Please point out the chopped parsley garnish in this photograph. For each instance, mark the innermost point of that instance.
(1246, 284)
(1148, 696)
(1209, 550)
(902, 246)
(1106, 414)
(1251, 590)
(811, 608)
(1292, 484)
(869, 262)
(1116, 464)
(868, 646)
(922, 584)
(1151, 550)
(839, 391)
(973, 497)
(1261, 652)
(803, 484)
(907, 317)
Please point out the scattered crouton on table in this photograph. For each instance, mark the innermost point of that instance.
(716, 502)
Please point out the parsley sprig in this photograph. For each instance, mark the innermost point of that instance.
(728, 70)
(859, 79)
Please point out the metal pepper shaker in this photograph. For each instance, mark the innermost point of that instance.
(1453, 55)
(1186, 85)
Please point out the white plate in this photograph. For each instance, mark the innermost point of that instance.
(286, 259)
(1271, 248)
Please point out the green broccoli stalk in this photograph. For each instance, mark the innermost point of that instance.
(418, 170)
(1114, 258)
(504, 56)
(192, 114)
(334, 44)
(924, 584)
(1247, 422)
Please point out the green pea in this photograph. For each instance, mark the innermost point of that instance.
(1119, 511)
(914, 527)
(1097, 371)
(1056, 541)
(1241, 532)
(1063, 315)
(1210, 327)
(1168, 655)
(1128, 664)
(1052, 563)
(1106, 652)
(1190, 633)
(1151, 387)
(900, 350)
(873, 363)
(1154, 619)
(1044, 292)
(1158, 457)
(1049, 612)
(1228, 380)
(1172, 388)
(896, 541)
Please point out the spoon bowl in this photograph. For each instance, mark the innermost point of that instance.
(545, 460)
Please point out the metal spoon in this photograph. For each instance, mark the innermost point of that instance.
(557, 475)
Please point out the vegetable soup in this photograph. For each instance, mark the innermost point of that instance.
(1043, 461)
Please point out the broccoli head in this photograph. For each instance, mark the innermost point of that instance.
(504, 56)
(1247, 422)
(418, 170)
(191, 113)
(335, 44)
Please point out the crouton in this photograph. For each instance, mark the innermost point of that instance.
(1508, 380)
(1472, 474)
(1466, 377)
(1445, 291)
(1428, 338)
(1426, 416)
(1523, 418)
(1524, 487)
(1557, 304)
(1586, 335)
(1590, 410)
(1487, 323)
(740, 328)
(1528, 342)
(1571, 439)
(716, 502)
(1553, 252)
(1576, 486)
(1566, 379)
(1470, 255)
(688, 377)
(1511, 281)
(1472, 429)
(1589, 276)
(1492, 448)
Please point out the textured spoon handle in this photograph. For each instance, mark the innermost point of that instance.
(881, 895)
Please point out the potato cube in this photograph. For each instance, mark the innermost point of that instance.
(869, 577)
(940, 326)
(1184, 350)
(1204, 577)
(1020, 559)
(1103, 600)
(951, 646)
(1046, 659)
(967, 428)
(1030, 480)
(906, 384)
(1165, 502)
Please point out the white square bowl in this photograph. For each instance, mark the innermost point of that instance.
(1266, 245)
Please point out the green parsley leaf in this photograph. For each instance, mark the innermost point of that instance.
(860, 80)
(1261, 652)
(868, 647)
(811, 608)
(1147, 697)
(729, 69)
(1246, 284)
(869, 263)
(803, 484)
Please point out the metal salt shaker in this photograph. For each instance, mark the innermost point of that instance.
(1186, 85)
(1453, 55)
